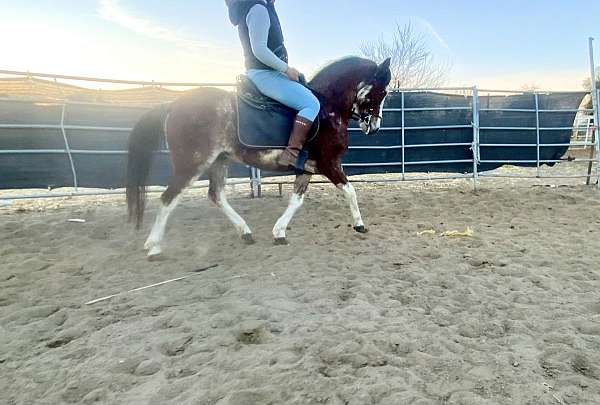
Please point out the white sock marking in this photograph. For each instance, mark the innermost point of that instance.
(158, 230)
(283, 222)
(350, 195)
(233, 216)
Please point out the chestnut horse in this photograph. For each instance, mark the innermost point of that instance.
(201, 131)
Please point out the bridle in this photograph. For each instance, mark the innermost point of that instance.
(365, 117)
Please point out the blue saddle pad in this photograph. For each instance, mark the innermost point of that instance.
(263, 123)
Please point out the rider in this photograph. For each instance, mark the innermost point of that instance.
(267, 67)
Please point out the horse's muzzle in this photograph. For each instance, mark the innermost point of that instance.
(374, 131)
(371, 126)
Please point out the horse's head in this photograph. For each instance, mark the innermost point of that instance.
(370, 95)
(355, 87)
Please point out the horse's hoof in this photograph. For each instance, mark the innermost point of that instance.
(281, 242)
(154, 258)
(248, 238)
(361, 229)
(154, 254)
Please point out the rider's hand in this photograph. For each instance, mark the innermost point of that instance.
(293, 74)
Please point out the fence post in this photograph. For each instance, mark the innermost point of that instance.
(403, 134)
(252, 181)
(255, 186)
(597, 134)
(475, 144)
(537, 132)
(68, 147)
(259, 182)
(595, 107)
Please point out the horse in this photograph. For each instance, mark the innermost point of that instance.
(201, 132)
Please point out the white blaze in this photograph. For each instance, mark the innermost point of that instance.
(377, 121)
(364, 92)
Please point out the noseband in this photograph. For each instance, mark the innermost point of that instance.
(364, 117)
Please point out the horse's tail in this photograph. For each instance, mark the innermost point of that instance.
(144, 140)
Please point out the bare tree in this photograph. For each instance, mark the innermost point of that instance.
(413, 64)
(530, 87)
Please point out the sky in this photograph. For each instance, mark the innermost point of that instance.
(493, 44)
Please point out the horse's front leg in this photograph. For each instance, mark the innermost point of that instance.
(337, 176)
(300, 187)
(350, 194)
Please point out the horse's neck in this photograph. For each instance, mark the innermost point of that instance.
(340, 96)
(339, 87)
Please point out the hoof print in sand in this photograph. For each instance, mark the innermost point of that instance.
(59, 342)
(180, 373)
(169, 322)
(83, 391)
(128, 366)
(65, 338)
(442, 317)
(176, 347)
(582, 365)
(31, 315)
(253, 333)
(147, 367)
(588, 328)
(95, 397)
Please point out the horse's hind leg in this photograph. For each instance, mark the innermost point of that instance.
(217, 175)
(300, 187)
(169, 199)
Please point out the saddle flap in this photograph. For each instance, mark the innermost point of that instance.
(264, 123)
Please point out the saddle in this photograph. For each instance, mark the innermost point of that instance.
(264, 123)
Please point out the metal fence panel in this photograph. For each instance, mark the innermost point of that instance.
(424, 131)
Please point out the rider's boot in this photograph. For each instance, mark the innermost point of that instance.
(289, 158)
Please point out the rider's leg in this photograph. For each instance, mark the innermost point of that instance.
(277, 86)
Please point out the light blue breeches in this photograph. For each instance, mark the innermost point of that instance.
(278, 86)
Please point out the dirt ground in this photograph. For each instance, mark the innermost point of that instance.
(401, 315)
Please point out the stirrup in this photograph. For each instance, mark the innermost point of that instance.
(300, 164)
(304, 164)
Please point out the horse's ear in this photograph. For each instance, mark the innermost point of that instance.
(383, 71)
(385, 65)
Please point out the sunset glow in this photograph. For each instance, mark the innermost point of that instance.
(194, 42)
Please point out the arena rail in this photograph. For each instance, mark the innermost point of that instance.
(256, 181)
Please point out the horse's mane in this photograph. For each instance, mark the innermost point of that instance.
(341, 67)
